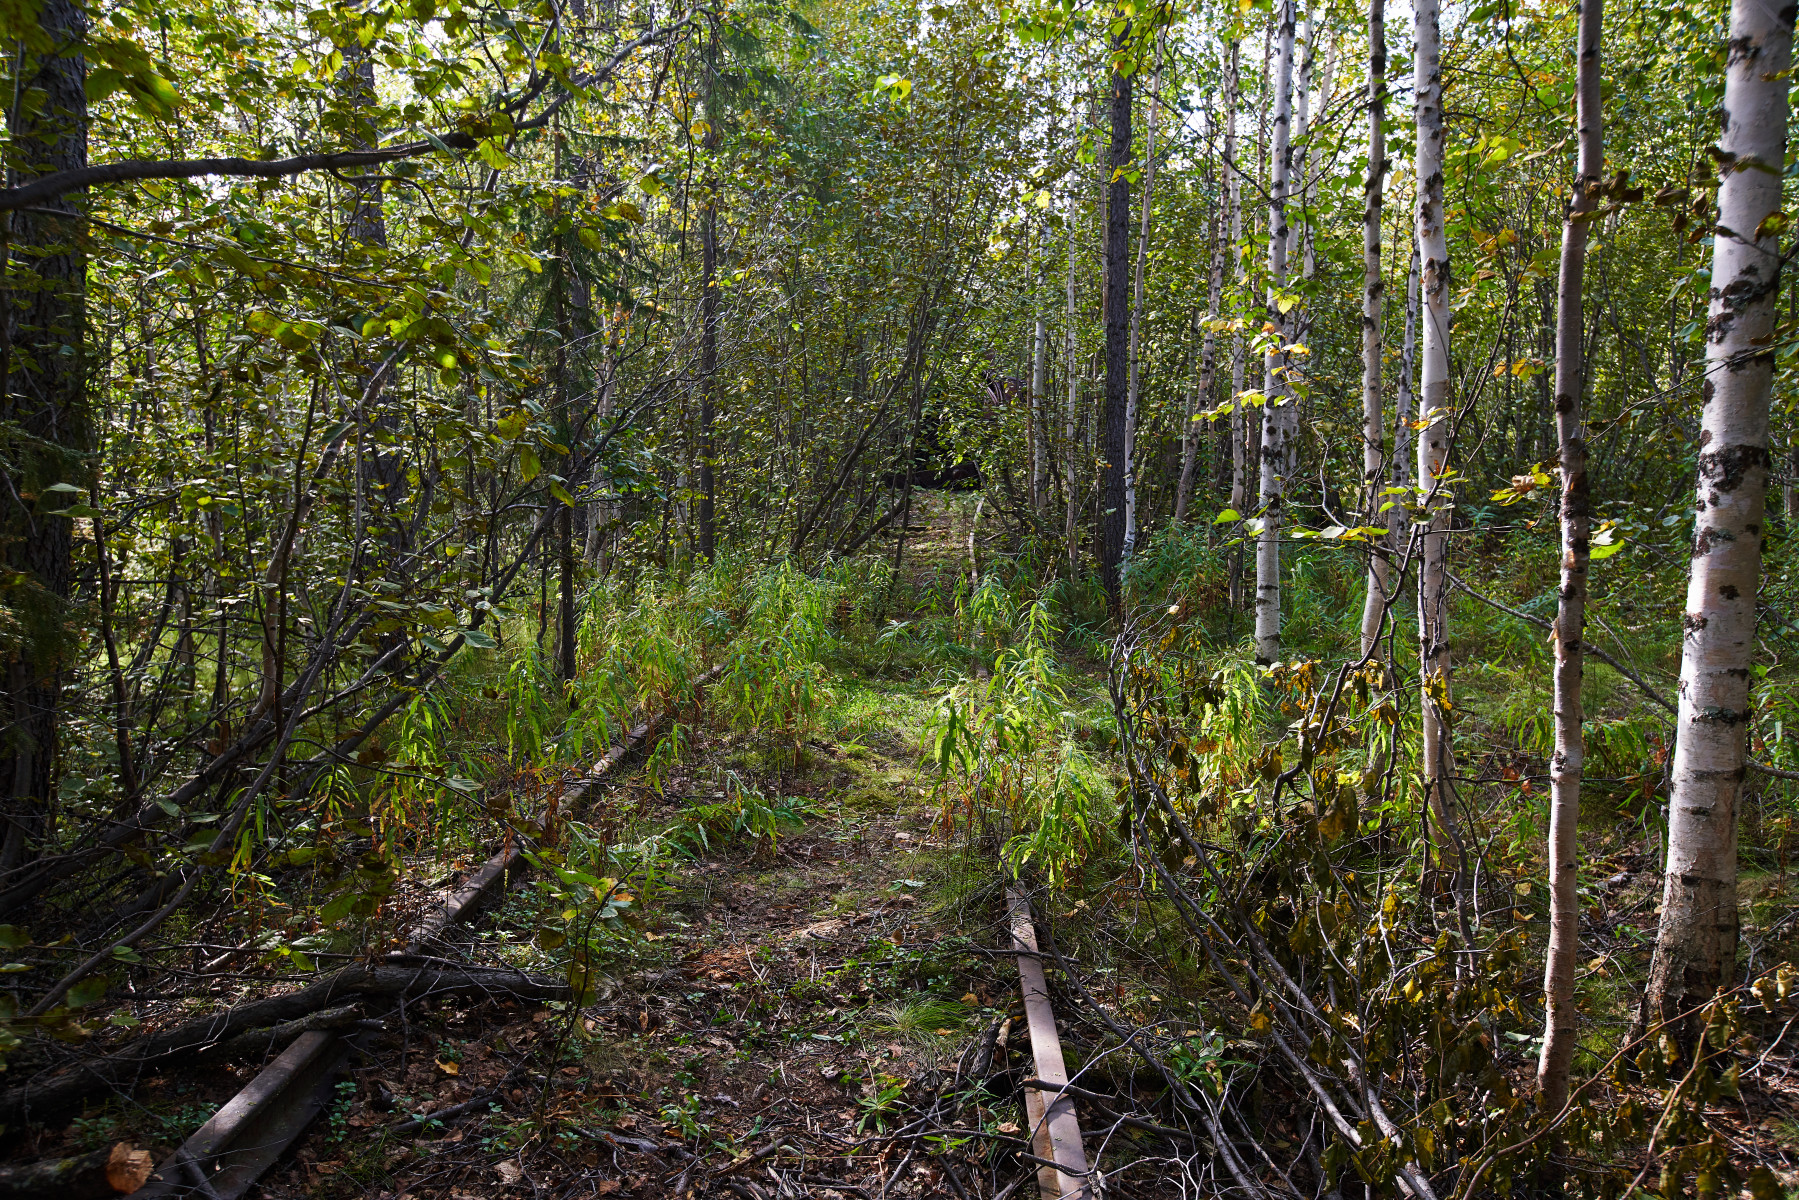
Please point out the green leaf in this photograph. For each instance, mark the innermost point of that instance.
(1601, 553)
(529, 464)
(1226, 516)
(338, 907)
(13, 938)
(479, 640)
(88, 991)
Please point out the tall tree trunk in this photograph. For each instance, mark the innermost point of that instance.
(1303, 61)
(1039, 444)
(1208, 355)
(1438, 766)
(1118, 328)
(708, 481)
(1130, 403)
(1404, 395)
(1278, 411)
(1374, 604)
(1241, 459)
(1071, 455)
(1695, 947)
(1309, 189)
(46, 421)
(1561, 1019)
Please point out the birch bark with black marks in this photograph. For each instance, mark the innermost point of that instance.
(1279, 415)
(1695, 948)
(1561, 1019)
(1438, 761)
(1374, 604)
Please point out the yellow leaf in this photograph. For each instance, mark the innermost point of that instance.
(449, 1068)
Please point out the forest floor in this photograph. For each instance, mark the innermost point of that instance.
(821, 1012)
(787, 996)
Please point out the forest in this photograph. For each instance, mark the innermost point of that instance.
(803, 599)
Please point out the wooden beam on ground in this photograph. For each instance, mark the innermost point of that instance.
(225, 1156)
(1055, 1129)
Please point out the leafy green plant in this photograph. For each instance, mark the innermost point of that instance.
(744, 813)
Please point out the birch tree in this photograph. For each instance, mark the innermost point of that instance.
(1374, 605)
(1695, 948)
(1561, 1018)
(1437, 753)
(1279, 414)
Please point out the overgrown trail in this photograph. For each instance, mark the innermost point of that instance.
(789, 1001)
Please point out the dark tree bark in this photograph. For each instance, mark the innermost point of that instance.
(47, 425)
(709, 322)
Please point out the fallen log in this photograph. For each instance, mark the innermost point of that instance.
(111, 1172)
(275, 1038)
(505, 867)
(40, 1098)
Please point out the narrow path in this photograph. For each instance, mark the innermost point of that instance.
(790, 999)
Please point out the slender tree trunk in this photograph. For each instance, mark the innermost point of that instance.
(1208, 355)
(1118, 331)
(1438, 765)
(1403, 395)
(1374, 604)
(1039, 445)
(1278, 411)
(46, 422)
(1071, 452)
(1561, 1019)
(1241, 458)
(1695, 948)
(708, 481)
(1309, 190)
(1302, 125)
(1130, 404)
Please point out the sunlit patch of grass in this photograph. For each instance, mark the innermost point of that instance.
(922, 1021)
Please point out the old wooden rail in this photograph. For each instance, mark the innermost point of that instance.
(253, 1129)
(1055, 1128)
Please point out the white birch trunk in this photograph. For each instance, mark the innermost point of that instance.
(1561, 1018)
(1374, 604)
(1302, 126)
(1278, 411)
(1438, 763)
(1695, 949)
